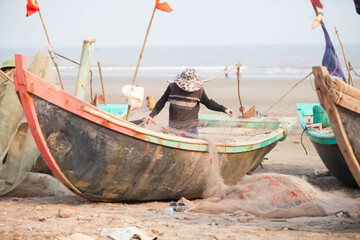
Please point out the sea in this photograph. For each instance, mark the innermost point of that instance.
(288, 62)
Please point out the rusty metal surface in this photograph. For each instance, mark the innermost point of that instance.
(106, 165)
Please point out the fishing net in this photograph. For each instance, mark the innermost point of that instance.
(18, 151)
(264, 195)
(268, 195)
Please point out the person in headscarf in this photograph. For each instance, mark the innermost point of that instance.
(185, 95)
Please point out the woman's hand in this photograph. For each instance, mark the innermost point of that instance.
(148, 119)
(229, 112)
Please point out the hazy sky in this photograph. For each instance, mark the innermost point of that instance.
(193, 22)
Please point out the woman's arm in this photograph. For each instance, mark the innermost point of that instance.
(161, 103)
(212, 105)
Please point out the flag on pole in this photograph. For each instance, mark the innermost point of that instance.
(330, 59)
(164, 6)
(317, 3)
(31, 7)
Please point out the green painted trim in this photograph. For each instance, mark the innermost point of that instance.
(305, 109)
(218, 120)
(204, 147)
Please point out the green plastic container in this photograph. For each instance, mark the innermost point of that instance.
(320, 116)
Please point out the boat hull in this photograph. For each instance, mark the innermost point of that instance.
(103, 158)
(106, 165)
(342, 103)
(334, 161)
(325, 145)
(351, 122)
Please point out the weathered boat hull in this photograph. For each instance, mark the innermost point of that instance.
(103, 158)
(342, 103)
(326, 146)
(134, 169)
(335, 162)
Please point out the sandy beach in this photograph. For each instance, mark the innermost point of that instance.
(42, 208)
(254, 92)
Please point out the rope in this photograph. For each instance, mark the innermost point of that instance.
(337, 95)
(301, 139)
(91, 73)
(352, 69)
(286, 93)
(66, 58)
(311, 84)
(217, 76)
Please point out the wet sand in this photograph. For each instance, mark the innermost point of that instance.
(49, 211)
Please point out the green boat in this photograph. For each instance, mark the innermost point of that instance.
(316, 124)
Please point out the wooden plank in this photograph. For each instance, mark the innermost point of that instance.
(85, 62)
(345, 101)
(343, 87)
(326, 100)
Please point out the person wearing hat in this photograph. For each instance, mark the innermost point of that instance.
(185, 95)
(8, 66)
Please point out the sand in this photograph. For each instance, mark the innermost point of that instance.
(41, 208)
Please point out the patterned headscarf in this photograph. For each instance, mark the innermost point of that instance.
(188, 80)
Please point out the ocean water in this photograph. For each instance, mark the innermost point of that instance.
(259, 62)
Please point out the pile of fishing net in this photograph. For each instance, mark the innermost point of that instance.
(18, 150)
(273, 196)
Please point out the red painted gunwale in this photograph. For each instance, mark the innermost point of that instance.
(28, 84)
(28, 104)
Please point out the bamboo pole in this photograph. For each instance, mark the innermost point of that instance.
(4, 76)
(91, 73)
(346, 62)
(219, 75)
(286, 93)
(53, 58)
(102, 83)
(85, 68)
(91, 89)
(141, 54)
(316, 11)
(238, 80)
(237, 66)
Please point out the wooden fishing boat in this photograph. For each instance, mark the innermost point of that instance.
(104, 158)
(342, 104)
(316, 124)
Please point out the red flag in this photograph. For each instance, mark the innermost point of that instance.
(32, 7)
(317, 3)
(164, 6)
